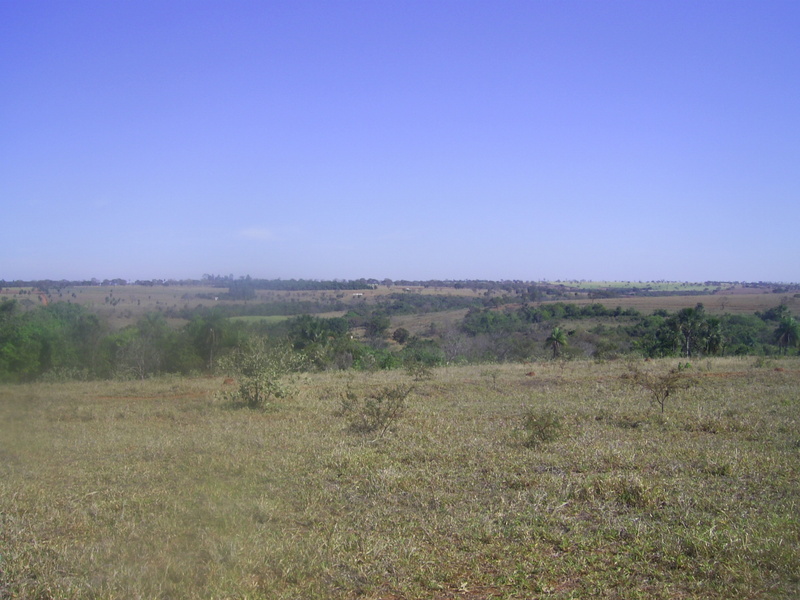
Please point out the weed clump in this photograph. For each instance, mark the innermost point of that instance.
(540, 427)
(627, 491)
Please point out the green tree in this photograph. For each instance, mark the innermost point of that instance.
(401, 335)
(787, 333)
(714, 338)
(307, 330)
(20, 348)
(377, 325)
(556, 341)
(140, 350)
(207, 333)
(688, 325)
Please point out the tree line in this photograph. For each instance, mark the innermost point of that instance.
(64, 340)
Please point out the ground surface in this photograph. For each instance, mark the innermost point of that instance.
(161, 489)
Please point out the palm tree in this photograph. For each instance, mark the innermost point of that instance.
(713, 336)
(788, 333)
(556, 340)
(689, 325)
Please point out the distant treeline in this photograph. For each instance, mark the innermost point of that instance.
(242, 285)
(63, 340)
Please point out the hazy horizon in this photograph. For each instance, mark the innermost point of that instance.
(574, 140)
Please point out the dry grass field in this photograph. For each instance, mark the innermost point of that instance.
(547, 480)
(135, 300)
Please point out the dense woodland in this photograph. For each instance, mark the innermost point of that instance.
(523, 322)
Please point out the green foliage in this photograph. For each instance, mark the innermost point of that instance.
(689, 332)
(409, 303)
(401, 335)
(556, 341)
(540, 426)
(262, 371)
(746, 335)
(377, 413)
(64, 338)
(307, 330)
(423, 352)
(485, 320)
(776, 313)
(208, 334)
(325, 342)
(377, 325)
(61, 336)
(787, 334)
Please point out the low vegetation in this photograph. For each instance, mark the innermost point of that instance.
(663, 385)
(553, 479)
(376, 413)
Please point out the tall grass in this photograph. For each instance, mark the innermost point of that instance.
(157, 489)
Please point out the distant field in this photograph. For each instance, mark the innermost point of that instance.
(655, 286)
(255, 319)
(421, 324)
(715, 304)
(161, 489)
(124, 305)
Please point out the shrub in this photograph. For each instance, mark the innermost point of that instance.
(419, 370)
(401, 335)
(376, 413)
(540, 426)
(662, 385)
(261, 370)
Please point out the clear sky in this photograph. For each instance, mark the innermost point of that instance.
(409, 139)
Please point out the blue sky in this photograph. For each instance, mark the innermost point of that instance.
(623, 140)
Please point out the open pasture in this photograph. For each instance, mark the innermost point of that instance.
(714, 303)
(125, 305)
(655, 286)
(160, 489)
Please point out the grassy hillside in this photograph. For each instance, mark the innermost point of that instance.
(554, 479)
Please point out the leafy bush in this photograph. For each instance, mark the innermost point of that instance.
(376, 413)
(261, 370)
